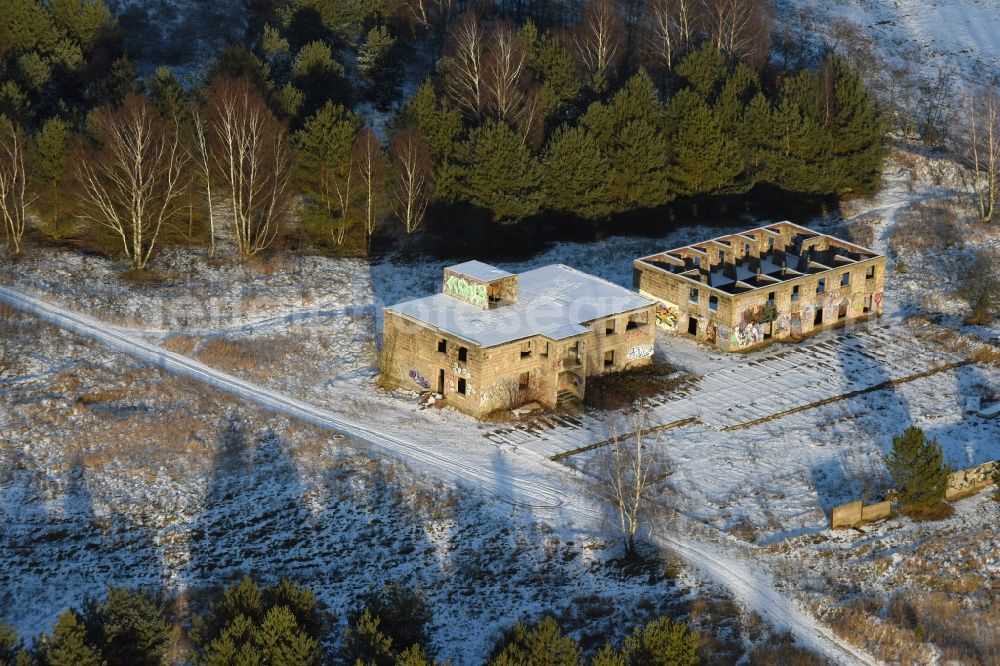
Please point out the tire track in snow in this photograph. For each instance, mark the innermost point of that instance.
(742, 577)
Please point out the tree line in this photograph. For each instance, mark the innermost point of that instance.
(284, 625)
(596, 111)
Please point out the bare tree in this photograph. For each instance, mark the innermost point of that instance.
(669, 25)
(980, 287)
(741, 28)
(506, 74)
(15, 191)
(412, 185)
(983, 153)
(368, 163)
(627, 474)
(465, 64)
(133, 183)
(598, 39)
(250, 161)
(203, 165)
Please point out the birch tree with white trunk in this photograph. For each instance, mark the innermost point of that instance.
(203, 166)
(465, 65)
(251, 162)
(412, 183)
(368, 164)
(627, 474)
(134, 182)
(15, 183)
(598, 39)
(983, 152)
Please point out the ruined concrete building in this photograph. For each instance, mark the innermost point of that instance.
(771, 283)
(491, 339)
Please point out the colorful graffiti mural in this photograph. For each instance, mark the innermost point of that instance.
(667, 316)
(781, 324)
(751, 328)
(640, 352)
(420, 381)
(467, 291)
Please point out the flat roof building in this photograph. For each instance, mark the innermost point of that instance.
(780, 281)
(492, 339)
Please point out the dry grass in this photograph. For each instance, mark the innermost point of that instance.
(181, 344)
(862, 232)
(927, 226)
(265, 356)
(621, 389)
(781, 651)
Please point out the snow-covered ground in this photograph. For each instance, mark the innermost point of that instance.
(779, 437)
(959, 36)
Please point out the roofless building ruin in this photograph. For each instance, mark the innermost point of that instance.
(781, 281)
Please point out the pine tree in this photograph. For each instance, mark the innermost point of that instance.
(439, 123)
(704, 70)
(800, 158)
(754, 133)
(917, 467)
(129, 628)
(67, 646)
(323, 170)
(640, 167)
(662, 642)
(629, 133)
(608, 656)
(497, 173)
(282, 625)
(319, 76)
(542, 644)
(415, 656)
(554, 68)
(858, 130)
(575, 174)
(11, 647)
(166, 93)
(403, 612)
(284, 643)
(706, 161)
(740, 88)
(364, 642)
(380, 67)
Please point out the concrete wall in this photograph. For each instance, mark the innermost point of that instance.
(962, 483)
(856, 513)
(969, 481)
(491, 375)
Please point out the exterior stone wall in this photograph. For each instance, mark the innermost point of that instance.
(738, 322)
(534, 368)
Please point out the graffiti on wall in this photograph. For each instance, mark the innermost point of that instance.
(795, 325)
(467, 291)
(667, 316)
(781, 324)
(751, 328)
(721, 335)
(878, 299)
(639, 352)
(459, 370)
(419, 380)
